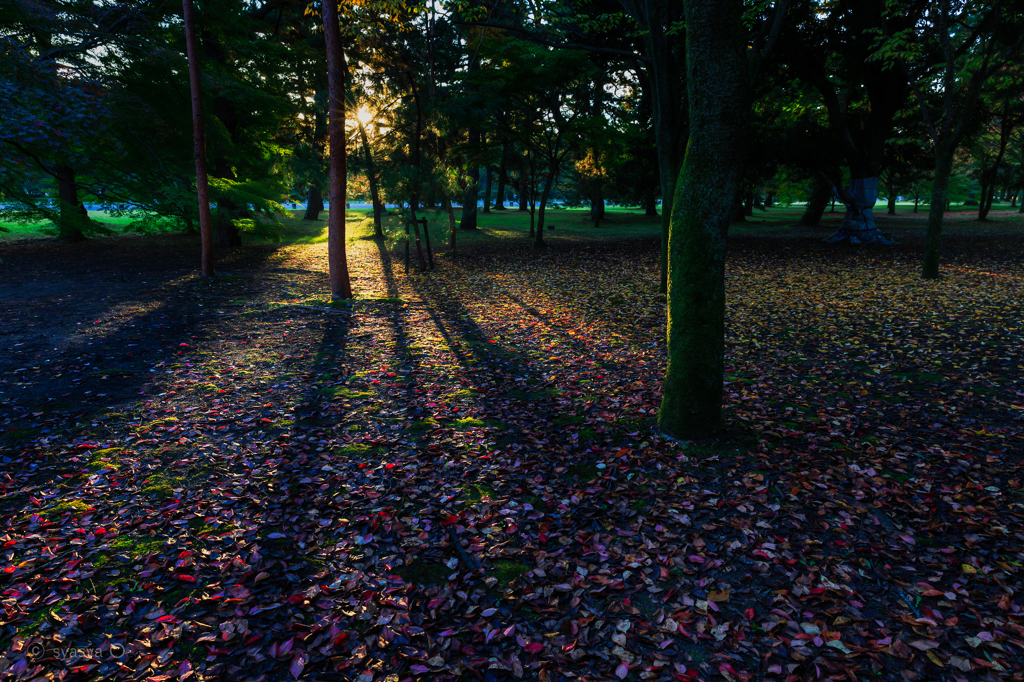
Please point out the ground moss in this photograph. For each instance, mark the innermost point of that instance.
(345, 393)
(358, 450)
(507, 571)
(61, 508)
(422, 426)
(476, 492)
(468, 423)
(465, 394)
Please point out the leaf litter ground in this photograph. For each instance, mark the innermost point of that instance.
(457, 477)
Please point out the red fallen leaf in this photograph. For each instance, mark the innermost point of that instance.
(449, 520)
(185, 578)
(693, 558)
(298, 663)
(749, 613)
(534, 647)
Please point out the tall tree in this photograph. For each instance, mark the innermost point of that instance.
(199, 142)
(337, 72)
(719, 112)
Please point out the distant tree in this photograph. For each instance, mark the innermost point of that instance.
(951, 53)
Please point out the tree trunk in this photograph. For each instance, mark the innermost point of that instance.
(821, 194)
(548, 182)
(314, 203)
(487, 189)
(651, 203)
(891, 199)
(523, 206)
(199, 142)
(706, 192)
(341, 287)
(985, 198)
(371, 177)
(499, 198)
(1021, 210)
(226, 234)
(472, 194)
(596, 206)
(916, 200)
(73, 218)
(452, 225)
(933, 237)
(748, 205)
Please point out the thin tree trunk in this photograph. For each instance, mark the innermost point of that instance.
(452, 225)
(933, 237)
(314, 203)
(499, 198)
(916, 200)
(341, 286)
(472, 194)
(983, 200)
(706, 192)
(371, 177)
(487, 190)
(891, 199)
(523, 206)
(548, 182)
(199, 142)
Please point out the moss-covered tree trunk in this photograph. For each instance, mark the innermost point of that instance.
(705, 196)
(933, 237)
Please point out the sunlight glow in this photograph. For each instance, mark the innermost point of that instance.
(364, 115)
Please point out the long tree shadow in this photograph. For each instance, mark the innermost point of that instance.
(143, 342)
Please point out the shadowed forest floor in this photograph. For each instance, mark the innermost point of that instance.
(456, 476)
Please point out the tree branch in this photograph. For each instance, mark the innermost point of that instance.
(537, 38)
